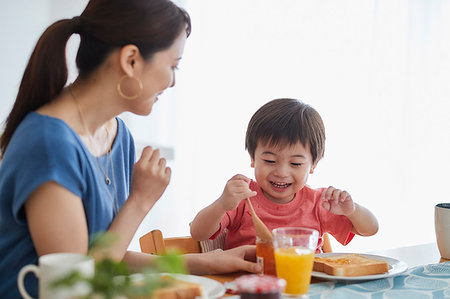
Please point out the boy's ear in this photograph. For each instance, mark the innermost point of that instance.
(311, 171)
(252, 164)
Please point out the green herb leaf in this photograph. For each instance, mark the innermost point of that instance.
(113, 278)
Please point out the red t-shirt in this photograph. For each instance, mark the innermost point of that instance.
(305, 210)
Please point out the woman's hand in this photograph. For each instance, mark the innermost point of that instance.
(235, 190)
(150, 178)
(241, 258)
(337, 201)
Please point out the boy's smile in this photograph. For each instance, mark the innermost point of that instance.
(282, 170)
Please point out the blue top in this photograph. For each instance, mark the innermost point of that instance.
(45, 149)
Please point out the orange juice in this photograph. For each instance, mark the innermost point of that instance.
(294, 264)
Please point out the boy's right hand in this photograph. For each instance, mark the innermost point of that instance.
(236, 189)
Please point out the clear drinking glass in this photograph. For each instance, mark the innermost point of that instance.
(294, 249)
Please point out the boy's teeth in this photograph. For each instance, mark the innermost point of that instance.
(280, 184)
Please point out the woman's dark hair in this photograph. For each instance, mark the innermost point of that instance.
(283, 122)
(104, 25)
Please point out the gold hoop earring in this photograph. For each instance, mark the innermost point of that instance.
(119, 89)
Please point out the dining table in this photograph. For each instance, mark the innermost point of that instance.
(418, 258)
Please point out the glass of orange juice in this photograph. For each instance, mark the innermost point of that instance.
(294, 249)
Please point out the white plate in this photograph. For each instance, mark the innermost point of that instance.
(211, 288)
(395, 267)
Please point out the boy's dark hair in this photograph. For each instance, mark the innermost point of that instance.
(286, 122)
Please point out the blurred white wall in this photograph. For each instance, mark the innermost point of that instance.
(377, 71)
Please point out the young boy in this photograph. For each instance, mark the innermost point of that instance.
(285, 139)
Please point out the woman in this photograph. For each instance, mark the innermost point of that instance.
(68, 167)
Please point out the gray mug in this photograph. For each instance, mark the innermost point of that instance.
(442, 227)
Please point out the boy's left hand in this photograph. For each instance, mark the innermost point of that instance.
(337, 201)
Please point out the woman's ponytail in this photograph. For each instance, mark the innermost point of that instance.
(44, 77)
(103, 26)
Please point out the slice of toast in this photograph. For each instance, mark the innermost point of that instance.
(180, 289)
(175, 289)
(349, 265)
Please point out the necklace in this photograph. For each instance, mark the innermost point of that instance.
(97, 162)
(108, 158)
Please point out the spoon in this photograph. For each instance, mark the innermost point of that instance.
(262, 232)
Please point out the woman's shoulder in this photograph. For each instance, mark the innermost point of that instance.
(42, 149)
(40, 125)
(41, 133)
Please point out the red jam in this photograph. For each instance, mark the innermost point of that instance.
(260, 286)
(265, 257)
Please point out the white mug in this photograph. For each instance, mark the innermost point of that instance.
(442, 227)
(55, 266)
